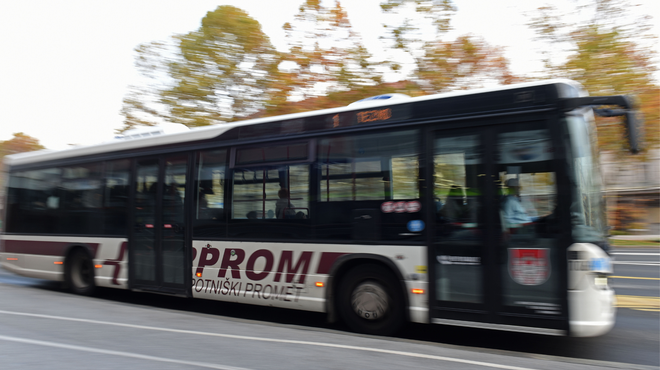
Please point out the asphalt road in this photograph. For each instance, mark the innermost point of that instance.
(43, 327)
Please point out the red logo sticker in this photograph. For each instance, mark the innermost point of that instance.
(413, 206)
(529, 266)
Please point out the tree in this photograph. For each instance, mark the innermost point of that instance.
(438, 65)
(218, 73)
(464, 63)
(608, 56)
(325, 54)
(20, 143)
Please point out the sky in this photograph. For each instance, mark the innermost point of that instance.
(66, 65)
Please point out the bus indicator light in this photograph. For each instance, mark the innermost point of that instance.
(12, 259)
(319, 284)
(98, 266)
(417, 291)
(199, 274)
(58, 262)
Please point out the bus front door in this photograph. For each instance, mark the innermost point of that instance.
(158, 240)
(495, 256)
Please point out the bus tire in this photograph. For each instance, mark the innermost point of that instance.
(79, 272)
(370, 300)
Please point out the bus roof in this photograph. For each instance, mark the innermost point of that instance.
(209, 132)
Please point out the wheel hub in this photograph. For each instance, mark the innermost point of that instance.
(369, 301)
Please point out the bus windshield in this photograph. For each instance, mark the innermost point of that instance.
(587, 208)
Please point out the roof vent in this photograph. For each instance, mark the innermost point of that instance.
(389, 98)
(151, 131)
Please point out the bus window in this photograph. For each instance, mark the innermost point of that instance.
(209, 219)
(368, 187)
(81, 198)
(369, 167)
(528, 192)
(271, 202)
(457, 164)
(587, 209)
(116, 190)
(33, 200)
(273, 192)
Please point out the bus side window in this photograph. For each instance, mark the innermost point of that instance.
(116, 182)
(361, 177)
(209, 219)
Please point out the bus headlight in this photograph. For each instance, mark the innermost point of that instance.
(600, 281)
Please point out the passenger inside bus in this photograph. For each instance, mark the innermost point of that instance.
(514, 212)
(283, 207)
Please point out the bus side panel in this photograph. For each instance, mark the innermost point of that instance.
(43, 257)
(291, 275)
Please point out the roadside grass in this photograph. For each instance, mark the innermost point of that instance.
(634, 243)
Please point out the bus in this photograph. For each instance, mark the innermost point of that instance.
(478, 208)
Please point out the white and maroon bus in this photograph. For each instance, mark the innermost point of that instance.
(478, 208)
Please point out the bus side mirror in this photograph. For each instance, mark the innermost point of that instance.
(633, 123)
(633, 129)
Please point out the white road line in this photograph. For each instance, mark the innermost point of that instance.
(118, 353)
(636, 263)
(635, 254)
(243, 337)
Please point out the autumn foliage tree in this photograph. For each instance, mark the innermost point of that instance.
(20, 143)
(608, 56)
(227, 69)
(418, 33)
(217, 73)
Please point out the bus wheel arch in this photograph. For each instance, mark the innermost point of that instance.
(360, 281)
(79, 272)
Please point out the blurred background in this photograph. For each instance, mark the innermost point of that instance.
(79, 73)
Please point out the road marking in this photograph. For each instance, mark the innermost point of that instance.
(633, 277)
(118, 353)
(639, 303)
(636, 263)
(242, 337)
(635, 254)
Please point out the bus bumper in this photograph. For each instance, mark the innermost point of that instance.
(592, 318)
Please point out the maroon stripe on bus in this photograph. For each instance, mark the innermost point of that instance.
(44, 248)
(327, 260)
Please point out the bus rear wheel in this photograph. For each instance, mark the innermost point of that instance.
(370, 301)
(79, 273)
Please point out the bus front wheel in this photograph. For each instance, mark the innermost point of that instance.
(79, 272)
(370, 300)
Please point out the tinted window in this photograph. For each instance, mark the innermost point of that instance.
(115, 200)
(271, 202)
(33, 201)
(458, 201)
(368, 187)
(209, 218)
(530, 268)
(80, 199)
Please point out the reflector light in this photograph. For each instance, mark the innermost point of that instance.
(319, 284)
(98, 266)
(58, 262)
(199, 274)
(418, 291)
(167, 226)
(12, 259)
(149, 226)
